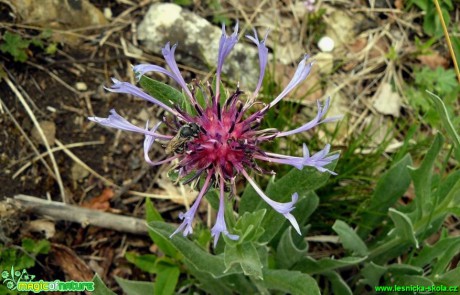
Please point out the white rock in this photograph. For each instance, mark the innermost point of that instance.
(81, 86)
(108, 12)
(326, 44)
(387, 101)
(198, 40)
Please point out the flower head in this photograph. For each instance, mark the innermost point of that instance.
(221, 140)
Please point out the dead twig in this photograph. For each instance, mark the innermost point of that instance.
(84, 216)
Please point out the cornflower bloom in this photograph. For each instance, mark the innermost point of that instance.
(221, 141)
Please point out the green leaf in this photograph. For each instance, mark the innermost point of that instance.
(421, 177)
(135, 287)
(372, 273)
(151, 213)
(212, 196)
(183, 2)
(432, 23)
(430, 253)
(37, 42)
(248, 226)
(339, 287)
(13, 257)
(450, 278)
(194, 254)
(36, 247)
(15, 46)
(445, 259)
(290, 249)
(447, 123)
(391, 186)
(447, 185)
(46, 34)
(422, 4)
(263, 250)
(349, 238)
(227, 285)
(145, 262)
(163, 92)
(208, 283)
(100, 288)
(165, 245)
(404, 269)
(312, 266)
(405, 280)
(292, 282)
(51, 49)
(403, 226)
(245, 256)
(249, 200)
(453, 197)
(166, 279)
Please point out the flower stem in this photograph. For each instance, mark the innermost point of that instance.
(446, 34)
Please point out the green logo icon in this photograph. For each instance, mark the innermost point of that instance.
(23, 282)
(12, 278)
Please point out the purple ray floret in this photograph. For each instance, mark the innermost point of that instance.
(303, 69)
(226, 45)
(118, 122)
(263, 58)
(128, 88)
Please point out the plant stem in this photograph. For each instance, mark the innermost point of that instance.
(446, 34)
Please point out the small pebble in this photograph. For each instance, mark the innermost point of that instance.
(108, 13)
(51, 109)
(326, 44)
(81, 86)
(49, 129)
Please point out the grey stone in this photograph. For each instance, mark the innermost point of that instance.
(198, 43)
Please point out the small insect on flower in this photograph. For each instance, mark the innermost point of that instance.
(185, 134)
(221, 139)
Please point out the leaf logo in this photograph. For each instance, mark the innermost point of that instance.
(12, 278)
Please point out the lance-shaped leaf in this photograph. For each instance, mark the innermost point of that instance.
(244, 255)
(100, 288)
(349, 238)
(135, 287)
(151, 214)
(312, 266)
(446, 122)
(403, 226)
(421, 177)
(391, 186)
(339, 287)
(290, 250)
(292, 282)
(194, 254)
(161, 91)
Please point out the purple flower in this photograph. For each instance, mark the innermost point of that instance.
(222, 140)
(310, 5)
